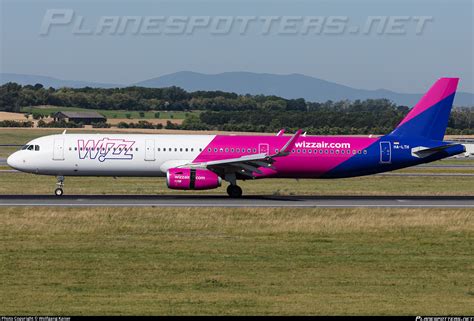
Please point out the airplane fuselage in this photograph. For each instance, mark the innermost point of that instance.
(154, 155)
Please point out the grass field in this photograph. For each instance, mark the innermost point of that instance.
(236, 261)
(47, 110)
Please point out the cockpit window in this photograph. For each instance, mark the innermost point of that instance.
(31, 147)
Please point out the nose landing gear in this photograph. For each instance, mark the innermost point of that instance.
(60, 184)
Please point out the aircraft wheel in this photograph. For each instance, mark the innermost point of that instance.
(234, 191)
(58, 191)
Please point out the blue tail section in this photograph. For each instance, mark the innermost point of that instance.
(429, 118)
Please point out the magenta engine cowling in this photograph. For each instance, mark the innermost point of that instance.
(190, 178)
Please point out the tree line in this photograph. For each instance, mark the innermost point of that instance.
(230, 111)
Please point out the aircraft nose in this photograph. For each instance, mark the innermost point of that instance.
(13, 160)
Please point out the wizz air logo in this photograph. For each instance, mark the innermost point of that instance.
(105, 148)
(322, 144)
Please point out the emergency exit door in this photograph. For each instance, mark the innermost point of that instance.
(385, 152)
(263, 149)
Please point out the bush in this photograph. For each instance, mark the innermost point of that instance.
(123, 124)
(100, 125)
(157, 115)
(37, 116)
(170, 125)
(13, 123)
(141, 124)
(59, 124)
(142, 114)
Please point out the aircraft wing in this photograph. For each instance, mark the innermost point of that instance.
(249, 164)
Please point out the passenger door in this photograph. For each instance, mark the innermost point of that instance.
(58, 149)
(149, 150)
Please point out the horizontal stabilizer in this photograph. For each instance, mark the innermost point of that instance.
(423, 152)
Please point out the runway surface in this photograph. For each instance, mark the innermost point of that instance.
(246, 201)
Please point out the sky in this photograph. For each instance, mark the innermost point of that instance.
(396, 56)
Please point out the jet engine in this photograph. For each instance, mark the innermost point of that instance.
(191, 178)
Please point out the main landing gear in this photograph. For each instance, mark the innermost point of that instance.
(60, 184)
(234, 191)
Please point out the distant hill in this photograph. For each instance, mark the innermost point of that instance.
(286, 86)
(50, 81)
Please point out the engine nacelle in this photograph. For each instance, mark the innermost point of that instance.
(190, 178)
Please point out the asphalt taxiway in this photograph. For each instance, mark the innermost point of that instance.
(251, 201)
